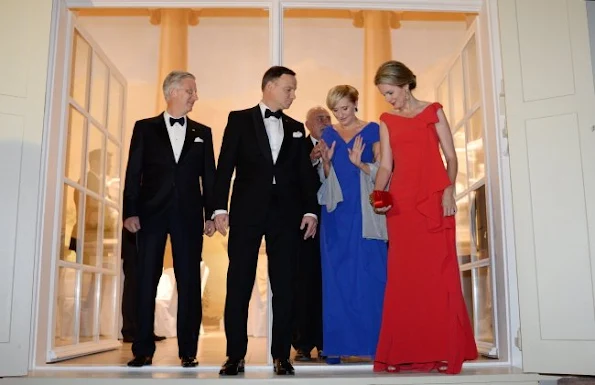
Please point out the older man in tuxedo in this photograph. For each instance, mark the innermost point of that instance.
(307, 314)
(169, 190)
(272, 197)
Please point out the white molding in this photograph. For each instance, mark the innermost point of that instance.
(168, 4)
(507, 225)
(411, 5)
(43, 203)
(401, 5)
(71, 351)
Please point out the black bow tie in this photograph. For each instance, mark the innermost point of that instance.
(173, 121)
(268, 113)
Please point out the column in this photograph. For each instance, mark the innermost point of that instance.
(377, 50)
(173, 46)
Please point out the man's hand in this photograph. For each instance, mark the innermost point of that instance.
(309, 223)
(132, 224)
(316, 153)
(209, 228)
(222, 223)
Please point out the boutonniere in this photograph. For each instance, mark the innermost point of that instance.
(297, 134)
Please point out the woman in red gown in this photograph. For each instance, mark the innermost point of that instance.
(425, 325)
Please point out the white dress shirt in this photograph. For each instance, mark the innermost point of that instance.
(177, 134)
(317, 162)
(274, 128)
(314, 142)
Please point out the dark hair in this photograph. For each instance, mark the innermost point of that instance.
(395, 73)
(275, 73)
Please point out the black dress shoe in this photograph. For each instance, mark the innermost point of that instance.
(283, 368)
(321, 355)
(232, 367)
(157, 338)
(139, 361)
(302, 356)
(188, 362)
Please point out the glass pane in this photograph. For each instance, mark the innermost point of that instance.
(459, 142)
(246, 35)
(444, 99)
(116, 98)
(107, 309)
(111, 220)
(472, 71)
(463, 231)
(467, 286)
(475, 148)
(92, 236)
(75, 145)
(69, 228)
(65, 307)
(485, 311)
(80, 70)
(457, 91)
(479, 224)
(95, 160)
(87, 320)
(99, 79)
(112, 182)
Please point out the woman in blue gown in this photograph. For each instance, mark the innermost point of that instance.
(353, 268)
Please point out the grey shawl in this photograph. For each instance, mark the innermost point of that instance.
(330, 195)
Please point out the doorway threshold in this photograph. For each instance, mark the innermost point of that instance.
(355, 375)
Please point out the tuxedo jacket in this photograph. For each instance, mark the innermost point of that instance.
(314, 173)
(246, 149)
(155, 183)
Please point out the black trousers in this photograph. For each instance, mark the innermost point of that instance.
(186, 243)
(282, 240)
(307, 311)
(129, 261)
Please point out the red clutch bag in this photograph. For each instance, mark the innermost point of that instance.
(380, 198)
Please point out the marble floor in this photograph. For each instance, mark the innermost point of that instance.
(211, 352)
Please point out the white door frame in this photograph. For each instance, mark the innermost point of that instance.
(63, 25)
(498, 157)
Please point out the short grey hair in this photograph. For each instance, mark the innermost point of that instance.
(173, 80)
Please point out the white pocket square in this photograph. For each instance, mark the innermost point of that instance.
(199, 140)
(297, 134)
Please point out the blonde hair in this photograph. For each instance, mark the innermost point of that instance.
(339, 92)
(395, 73)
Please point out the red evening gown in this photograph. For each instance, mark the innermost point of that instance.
(425, 325)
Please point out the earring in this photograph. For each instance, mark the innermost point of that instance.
(355, 108)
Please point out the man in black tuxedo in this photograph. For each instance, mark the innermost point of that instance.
(307, 325)
(171, 158)
(272, 197)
